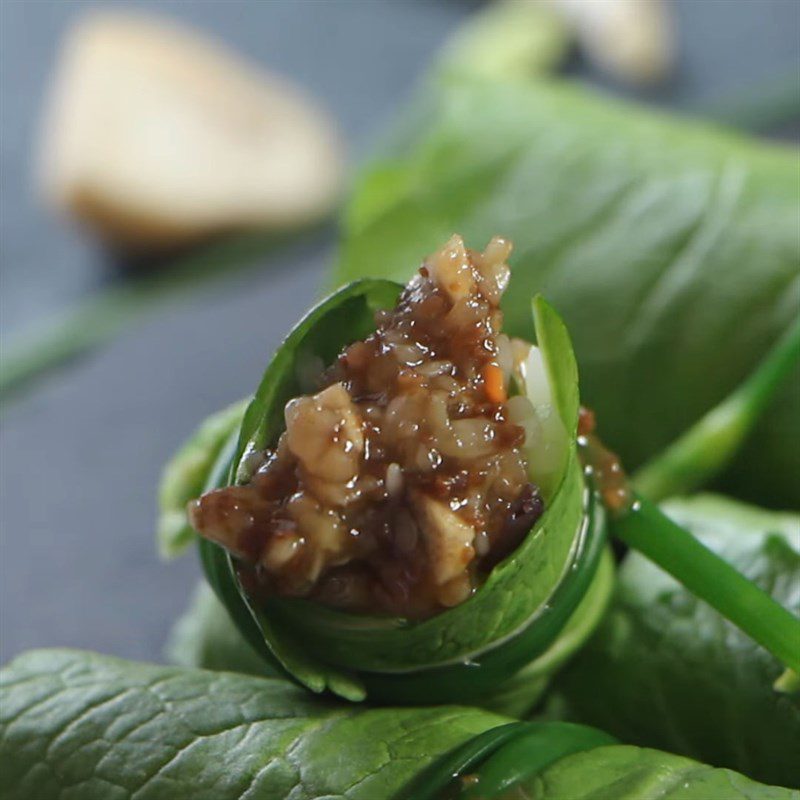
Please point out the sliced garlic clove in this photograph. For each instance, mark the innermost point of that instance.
(156, 135)
(448, 539)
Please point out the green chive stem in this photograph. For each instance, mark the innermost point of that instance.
(710, 444)
(645, 528)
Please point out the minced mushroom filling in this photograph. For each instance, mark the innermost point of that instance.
(399, 484)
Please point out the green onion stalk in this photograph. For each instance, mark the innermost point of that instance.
(642, 526)
(696, 457)
(711, 443)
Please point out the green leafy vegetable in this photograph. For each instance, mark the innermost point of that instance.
(204, 636)
(467, 650)
(430, 782)
(632, 773)
(538, 747)
(80, 725)
(186, 475)
(517, 696)
(671, 248)
(500, 758)
(88, 726)
(553, 339)
(665, 670)
(549, 463)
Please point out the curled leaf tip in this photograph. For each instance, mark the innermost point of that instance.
(787, 683)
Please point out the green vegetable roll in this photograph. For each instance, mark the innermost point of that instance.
(404, 514)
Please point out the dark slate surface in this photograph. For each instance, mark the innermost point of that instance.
(80, 456)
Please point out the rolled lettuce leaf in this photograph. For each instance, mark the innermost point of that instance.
(204, 636)
(187, 473)
(467, 650)
(81, 725)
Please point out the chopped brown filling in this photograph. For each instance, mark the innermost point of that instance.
(398, 485)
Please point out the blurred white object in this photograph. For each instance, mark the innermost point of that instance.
(633, 40)
(508, 39)
(156, 135)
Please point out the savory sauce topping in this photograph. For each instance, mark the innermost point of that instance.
(603, 466)
(404, 479)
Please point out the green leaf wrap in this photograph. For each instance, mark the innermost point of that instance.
(667, 245)
(186, 475)
(81, 726)
(465, 651)
(205, 636)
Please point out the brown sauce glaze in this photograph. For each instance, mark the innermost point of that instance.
(603, 466)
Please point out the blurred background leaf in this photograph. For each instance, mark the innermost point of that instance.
(134, 150)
